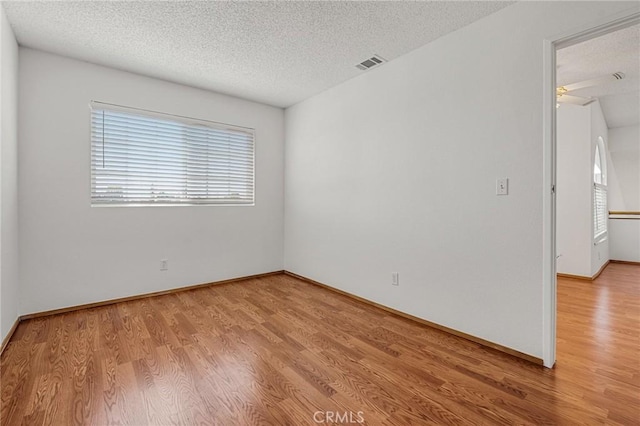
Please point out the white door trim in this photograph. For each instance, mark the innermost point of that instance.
(576, 35)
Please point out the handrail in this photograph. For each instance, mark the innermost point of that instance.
(624, 215)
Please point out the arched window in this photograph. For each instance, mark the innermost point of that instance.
(599, 192)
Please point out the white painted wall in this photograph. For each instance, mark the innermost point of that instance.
(600, 251)
(9, 300)
(573, 200)
(624, 191)
(395, 171)
(625, 239)
(72, 253)
(578, 129)
(624, 168)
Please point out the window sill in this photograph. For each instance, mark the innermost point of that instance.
(172, 205)
(600, 239)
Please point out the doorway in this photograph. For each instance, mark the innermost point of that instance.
(550, 180)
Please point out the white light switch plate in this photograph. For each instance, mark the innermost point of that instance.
(502, 186)
(395, 278)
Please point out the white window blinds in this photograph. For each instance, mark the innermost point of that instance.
(599, 210)
(145, 158)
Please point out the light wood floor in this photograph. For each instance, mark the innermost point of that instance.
(276, 350)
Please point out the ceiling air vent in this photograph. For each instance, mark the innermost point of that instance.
(373, 61)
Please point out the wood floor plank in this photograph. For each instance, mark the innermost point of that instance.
(277, 351)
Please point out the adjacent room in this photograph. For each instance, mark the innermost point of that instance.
(598, 144)
(309, 212)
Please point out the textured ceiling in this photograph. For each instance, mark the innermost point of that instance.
(277, 53)
(613, 52)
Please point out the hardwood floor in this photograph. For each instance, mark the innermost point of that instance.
(280, 351)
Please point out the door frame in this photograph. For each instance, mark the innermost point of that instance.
(594, 29)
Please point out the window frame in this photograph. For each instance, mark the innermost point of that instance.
(182, 145)
(599, 235)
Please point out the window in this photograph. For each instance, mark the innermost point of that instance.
(599, 193)
(147, 158)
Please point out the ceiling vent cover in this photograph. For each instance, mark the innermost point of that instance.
(373, 61)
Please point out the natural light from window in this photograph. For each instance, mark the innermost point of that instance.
(145, 158)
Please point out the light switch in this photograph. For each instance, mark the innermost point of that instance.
(502, 186)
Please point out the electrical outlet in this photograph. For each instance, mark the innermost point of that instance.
(164, 265)
(395, 278)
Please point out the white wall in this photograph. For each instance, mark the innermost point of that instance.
(625, 239)
(573, 201)
(624, 191)
(72, 253)
(578, 130)
(395, 171)
(599, 252)
(9, 300)
(624, 168)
